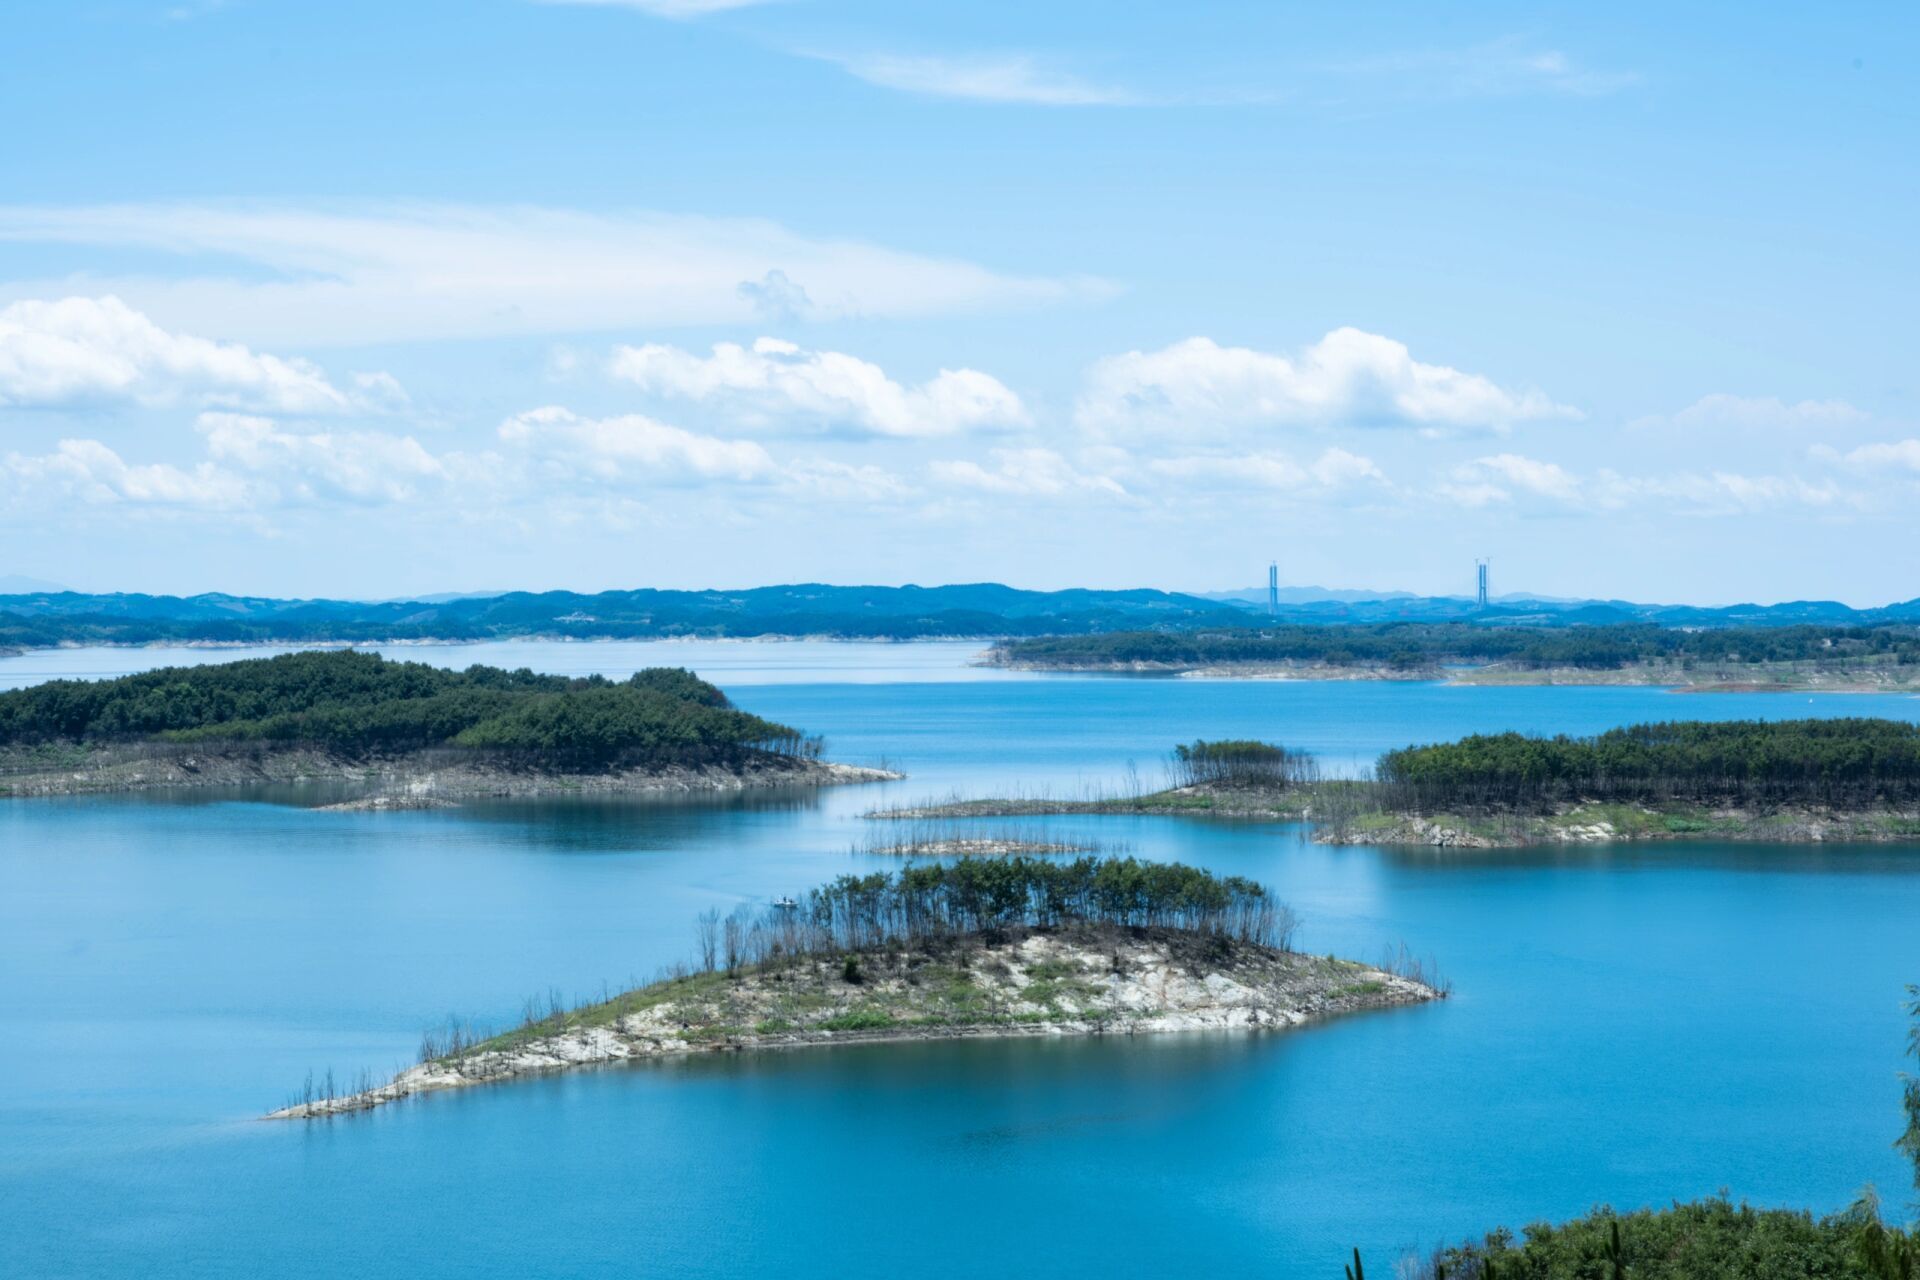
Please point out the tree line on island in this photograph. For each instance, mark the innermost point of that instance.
(927, 903)
(1839, 763)
(1241, 762)
(1418, 646)
(360, 704)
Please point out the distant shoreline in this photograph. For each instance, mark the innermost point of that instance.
(461, 642)
(1334, 823)
(1765, 678)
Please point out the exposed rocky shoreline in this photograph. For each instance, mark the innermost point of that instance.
(1611, 823)
(978, 847)
(1336, 820)
(1754, 678)
(1078, 981)
(1200, 800)
(412, 779)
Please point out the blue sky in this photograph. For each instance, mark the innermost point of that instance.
(371, 299)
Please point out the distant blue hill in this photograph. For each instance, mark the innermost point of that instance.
(806, 609)
(39, 618)
(1315, 604)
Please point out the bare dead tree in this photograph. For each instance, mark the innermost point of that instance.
(707, 930)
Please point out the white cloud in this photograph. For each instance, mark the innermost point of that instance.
(355, 466)
(1756, 412)
(1005, 78)
(630, 448)
(775, 297)
(845, 482)
(676, 9)
(90, 472)
(80, 352)
(1513, 479)
(381, 391)
(548, 457)
(1879, 457)
(1197, 388)
(250, 463)
(1498, 477)
(1722, 492)
(401, 272)
(1039, 473)
(775, 381)
(1333, 469)
(1499, 69)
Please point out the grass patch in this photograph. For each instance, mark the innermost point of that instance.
(1051, 991)
(858, 1020)
(808, 1001)
(1488, 828)
(1170, 800)
(1053, 970)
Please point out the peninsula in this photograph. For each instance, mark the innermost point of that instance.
(975, 948)
(408, 733)
(1763, 658)
(1785, 781)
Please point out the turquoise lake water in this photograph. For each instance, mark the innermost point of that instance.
(1631, 1024)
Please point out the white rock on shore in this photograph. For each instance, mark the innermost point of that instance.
(1039, 984)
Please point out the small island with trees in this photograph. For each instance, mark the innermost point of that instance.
(409, 733)
(1789, 781)
(1832, 658)
(977, 947)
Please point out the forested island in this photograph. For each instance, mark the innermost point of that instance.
(1844, 779)
(1746, 658)
(971, 948)
(357, 717)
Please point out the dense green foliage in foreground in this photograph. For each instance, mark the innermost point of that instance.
(361, 703)
(1706, 1240)
(1748, 762)
(1413, 646)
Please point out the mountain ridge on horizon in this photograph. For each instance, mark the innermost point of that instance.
(39, 619)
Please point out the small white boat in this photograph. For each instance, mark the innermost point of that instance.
(784, 904)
